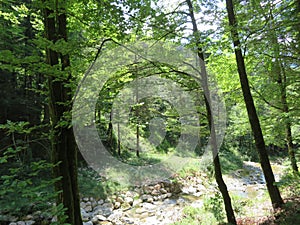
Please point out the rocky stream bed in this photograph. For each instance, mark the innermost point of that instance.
(162, 203)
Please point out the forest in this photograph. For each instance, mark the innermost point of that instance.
(150, 112)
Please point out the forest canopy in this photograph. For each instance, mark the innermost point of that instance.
(102, 97)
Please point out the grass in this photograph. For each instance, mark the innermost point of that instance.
(196, 216)
(231, 160)
(92, 185)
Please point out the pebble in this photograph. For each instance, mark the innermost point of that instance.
(157, 204)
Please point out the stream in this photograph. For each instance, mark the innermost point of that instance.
(163, 203)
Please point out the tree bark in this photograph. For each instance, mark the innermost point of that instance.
(282, 83)
(64, 152)
(251, 110)
(287, 122)
(204, 81)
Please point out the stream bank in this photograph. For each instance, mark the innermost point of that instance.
(162, 203)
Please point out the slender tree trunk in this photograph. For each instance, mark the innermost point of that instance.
(217, 166)
(137, 115)
(282, 83)
(119, 139)
(253, 118)
(64, 149)
(288, 130)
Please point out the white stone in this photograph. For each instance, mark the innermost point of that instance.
(117, 205)
(88, 208)
(98, 218)
(21, 223)
(129, 200)
(137, 202)
(30, 222)
(87, 223)
(100, 202)
(150, 200)
(119, 199)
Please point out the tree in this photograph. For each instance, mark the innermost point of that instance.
(64, 152)
(251, 110)
(204, 80)
(282, 81)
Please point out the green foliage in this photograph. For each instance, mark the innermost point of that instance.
(232, 158)
(290, 184)
(90, 183)
(24, 188)
(59, 212)
(239, 203)
(191, 216)
(214, 204)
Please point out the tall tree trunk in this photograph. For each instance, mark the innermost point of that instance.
(251, 110)
(63, 142)
(287, 122)
(204, 81)
(282, 83)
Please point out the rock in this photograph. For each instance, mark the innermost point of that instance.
(170, 201)
(163, 191)
(148, 206)
(115, 216)
(140, 210)
(28, 217)
(169, 195)
(100, 202)
(108, 205)
(13, 223)
(157, 187)
(85, 216)
(198, 194)
(82, 205)
(106, 223)
(167, 183)
(151, 220)
(180, 201)
(97, 210)
(129, 220)
(88, 208)
(145, 197)
(129, 200)
(117, 205)
(144, 215)
(107, 211)
(125, 206)
(131, 194)
(10, 218)
(88, 203)
(21, 223)
(87, 223)
(136, 202)
(119, 199)
(175, 188)
(97, 218)
(85, 199)
(201, 188)
(150, 200)
(148, 189)
(189, 190)
(155, 192)
(108, 200)
(29, 222)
